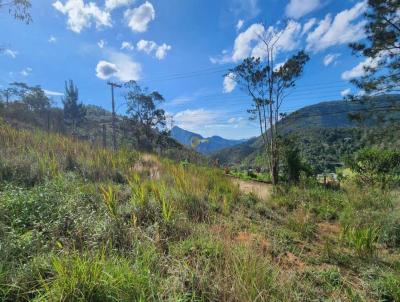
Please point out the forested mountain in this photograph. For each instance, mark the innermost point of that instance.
(327, 131)
(201, 144)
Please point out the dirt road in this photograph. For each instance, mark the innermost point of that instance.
(261, 190)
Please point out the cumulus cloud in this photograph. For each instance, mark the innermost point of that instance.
(239, 24)
(342, 29)
(331, 58)
(229, 83)
(9, 52)
(248, 42)
(139, 18)
(113, 4)
(195, 119)
(361, 69)
(105, 70)
(26, 71)
(308, 25)
(102, 43)
(120, 66)
(162, 50)
(345, 92)
(299, 8)
(81, 15)
(151, 46)
(127, 45)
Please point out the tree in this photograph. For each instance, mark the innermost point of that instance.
(19, 9)
(6, 95)
(374, 166)
(74, 112)
(293, 163)
(267, 84)
(143, 108)
(36, 99)
(382, 49)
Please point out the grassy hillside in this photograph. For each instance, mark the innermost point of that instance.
(128, 136)
(325, 133)
(82, 223)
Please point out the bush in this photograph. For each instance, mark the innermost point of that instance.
(375, 166)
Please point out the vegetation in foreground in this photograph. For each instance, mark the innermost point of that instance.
(81, 223)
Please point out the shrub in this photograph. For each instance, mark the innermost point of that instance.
(375, 166)
(363, 240)
(96, 277)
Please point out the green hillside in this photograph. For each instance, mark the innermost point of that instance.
(83, 223)
(129, 136)
(327, 131)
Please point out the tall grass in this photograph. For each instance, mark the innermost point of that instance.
(82, 223)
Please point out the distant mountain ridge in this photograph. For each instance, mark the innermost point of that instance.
(201, 144)
(326, 126)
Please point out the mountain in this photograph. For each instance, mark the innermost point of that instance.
(201, 144)
(325, 132)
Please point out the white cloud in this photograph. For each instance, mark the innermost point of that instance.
(248, 43)
(195, 119)
(139, 18)
(345, 92)
(342, 29)
(151, 46)
(81, 15)
(113, 4)
(127, 45)
(180, 100)
(120, 66)
(9, 52)
(26, 71)
(248, 8)
(308, 25)
(360, 69)
(162, 51)
(331, 58)
(146, 46)
(239, 24)
(52, 93)
(105, 70)
(229, 83)
(299, 8)
(101, 43)
(52, 39)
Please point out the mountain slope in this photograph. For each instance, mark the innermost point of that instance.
(324, 132)
(201, 144)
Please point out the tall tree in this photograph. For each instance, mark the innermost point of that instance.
(382, 48)
(267, 83)
(143, 107)
(36, 99)
(74, 111)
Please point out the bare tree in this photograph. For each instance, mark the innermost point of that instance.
(268, 83)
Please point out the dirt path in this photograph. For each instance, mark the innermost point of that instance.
(261, 190)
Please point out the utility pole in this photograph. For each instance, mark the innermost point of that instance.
(104, 136)
(113, 113)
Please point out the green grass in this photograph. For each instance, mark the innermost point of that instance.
(81, 223)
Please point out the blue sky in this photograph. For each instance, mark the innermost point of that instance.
(182, 48)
